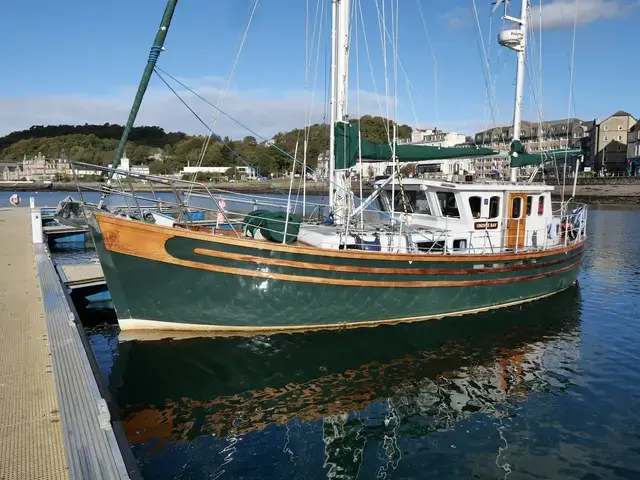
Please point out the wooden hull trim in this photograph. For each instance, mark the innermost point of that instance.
(362, 283)
(375, 270)
(105, 219)
(141, 325)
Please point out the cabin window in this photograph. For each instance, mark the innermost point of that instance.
(476, 204)
(399, 201)
(422, 204)
(494, 207)
(541, 206)
(448, 204)
(529, 205)
(416, 202)
(516, 207)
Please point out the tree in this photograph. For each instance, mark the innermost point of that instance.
(408, 170)
(160, 168)
(249, 140)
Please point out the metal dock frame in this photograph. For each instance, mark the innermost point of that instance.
(92, 449)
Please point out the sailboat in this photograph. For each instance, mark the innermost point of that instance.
(439, 247)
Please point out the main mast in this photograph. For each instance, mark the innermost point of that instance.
(516, 39)
(156, 48)
(339, 193)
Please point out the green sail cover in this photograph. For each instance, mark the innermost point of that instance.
(520, 157)
(346, 149)
(272, 225)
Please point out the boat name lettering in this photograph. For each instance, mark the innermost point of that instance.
(485, 225)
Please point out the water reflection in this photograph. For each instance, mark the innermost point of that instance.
(339, 402)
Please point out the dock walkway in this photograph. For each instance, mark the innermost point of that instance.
(53, 422)
(31, 442)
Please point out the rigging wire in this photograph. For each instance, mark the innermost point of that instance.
(573, 51)
(234, 120)
(158, 71)
(315, 73)
(373, 77)
(486, 71)
(359, 5)
(223, 92)
(382, 22)
(435, 61)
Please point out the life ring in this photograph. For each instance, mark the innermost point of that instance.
(14, 200)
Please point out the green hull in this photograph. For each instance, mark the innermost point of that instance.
(146, 290)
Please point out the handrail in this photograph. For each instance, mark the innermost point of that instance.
(570, 218)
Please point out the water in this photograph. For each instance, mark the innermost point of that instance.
(546, 390)
(51, 199)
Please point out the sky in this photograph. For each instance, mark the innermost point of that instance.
(79, 61)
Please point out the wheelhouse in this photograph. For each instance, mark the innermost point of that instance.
(477, 216)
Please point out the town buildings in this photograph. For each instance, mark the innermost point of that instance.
(243, 171)
(11, 172)
(633, 142)
(434, 138)
(610, 139)
(127, 167)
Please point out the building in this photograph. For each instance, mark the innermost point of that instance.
(434, 138)
(139, 169)
(633, 142)
(12, 173)
(243, 171)
(537, 136)
(40, 169)
(127, 167)
(609, 144)
(322, 167)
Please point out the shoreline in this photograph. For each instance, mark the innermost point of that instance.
(613, 194)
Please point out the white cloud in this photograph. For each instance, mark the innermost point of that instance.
(456, 18)
(562, 13)
(264, 111)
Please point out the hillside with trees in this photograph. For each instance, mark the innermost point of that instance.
(169, 152)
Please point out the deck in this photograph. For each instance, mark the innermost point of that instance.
(81, 275)
(53, 421)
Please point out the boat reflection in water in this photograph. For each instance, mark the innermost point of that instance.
(341, 393)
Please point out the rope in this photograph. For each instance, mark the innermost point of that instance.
(154, 54)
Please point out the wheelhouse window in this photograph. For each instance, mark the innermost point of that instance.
(540, 206)
(399, 202)
(416, 202)
(448, 206)
(494, 207)
(529, 205)
(422, 204)
(476, 204)
(516, 207)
